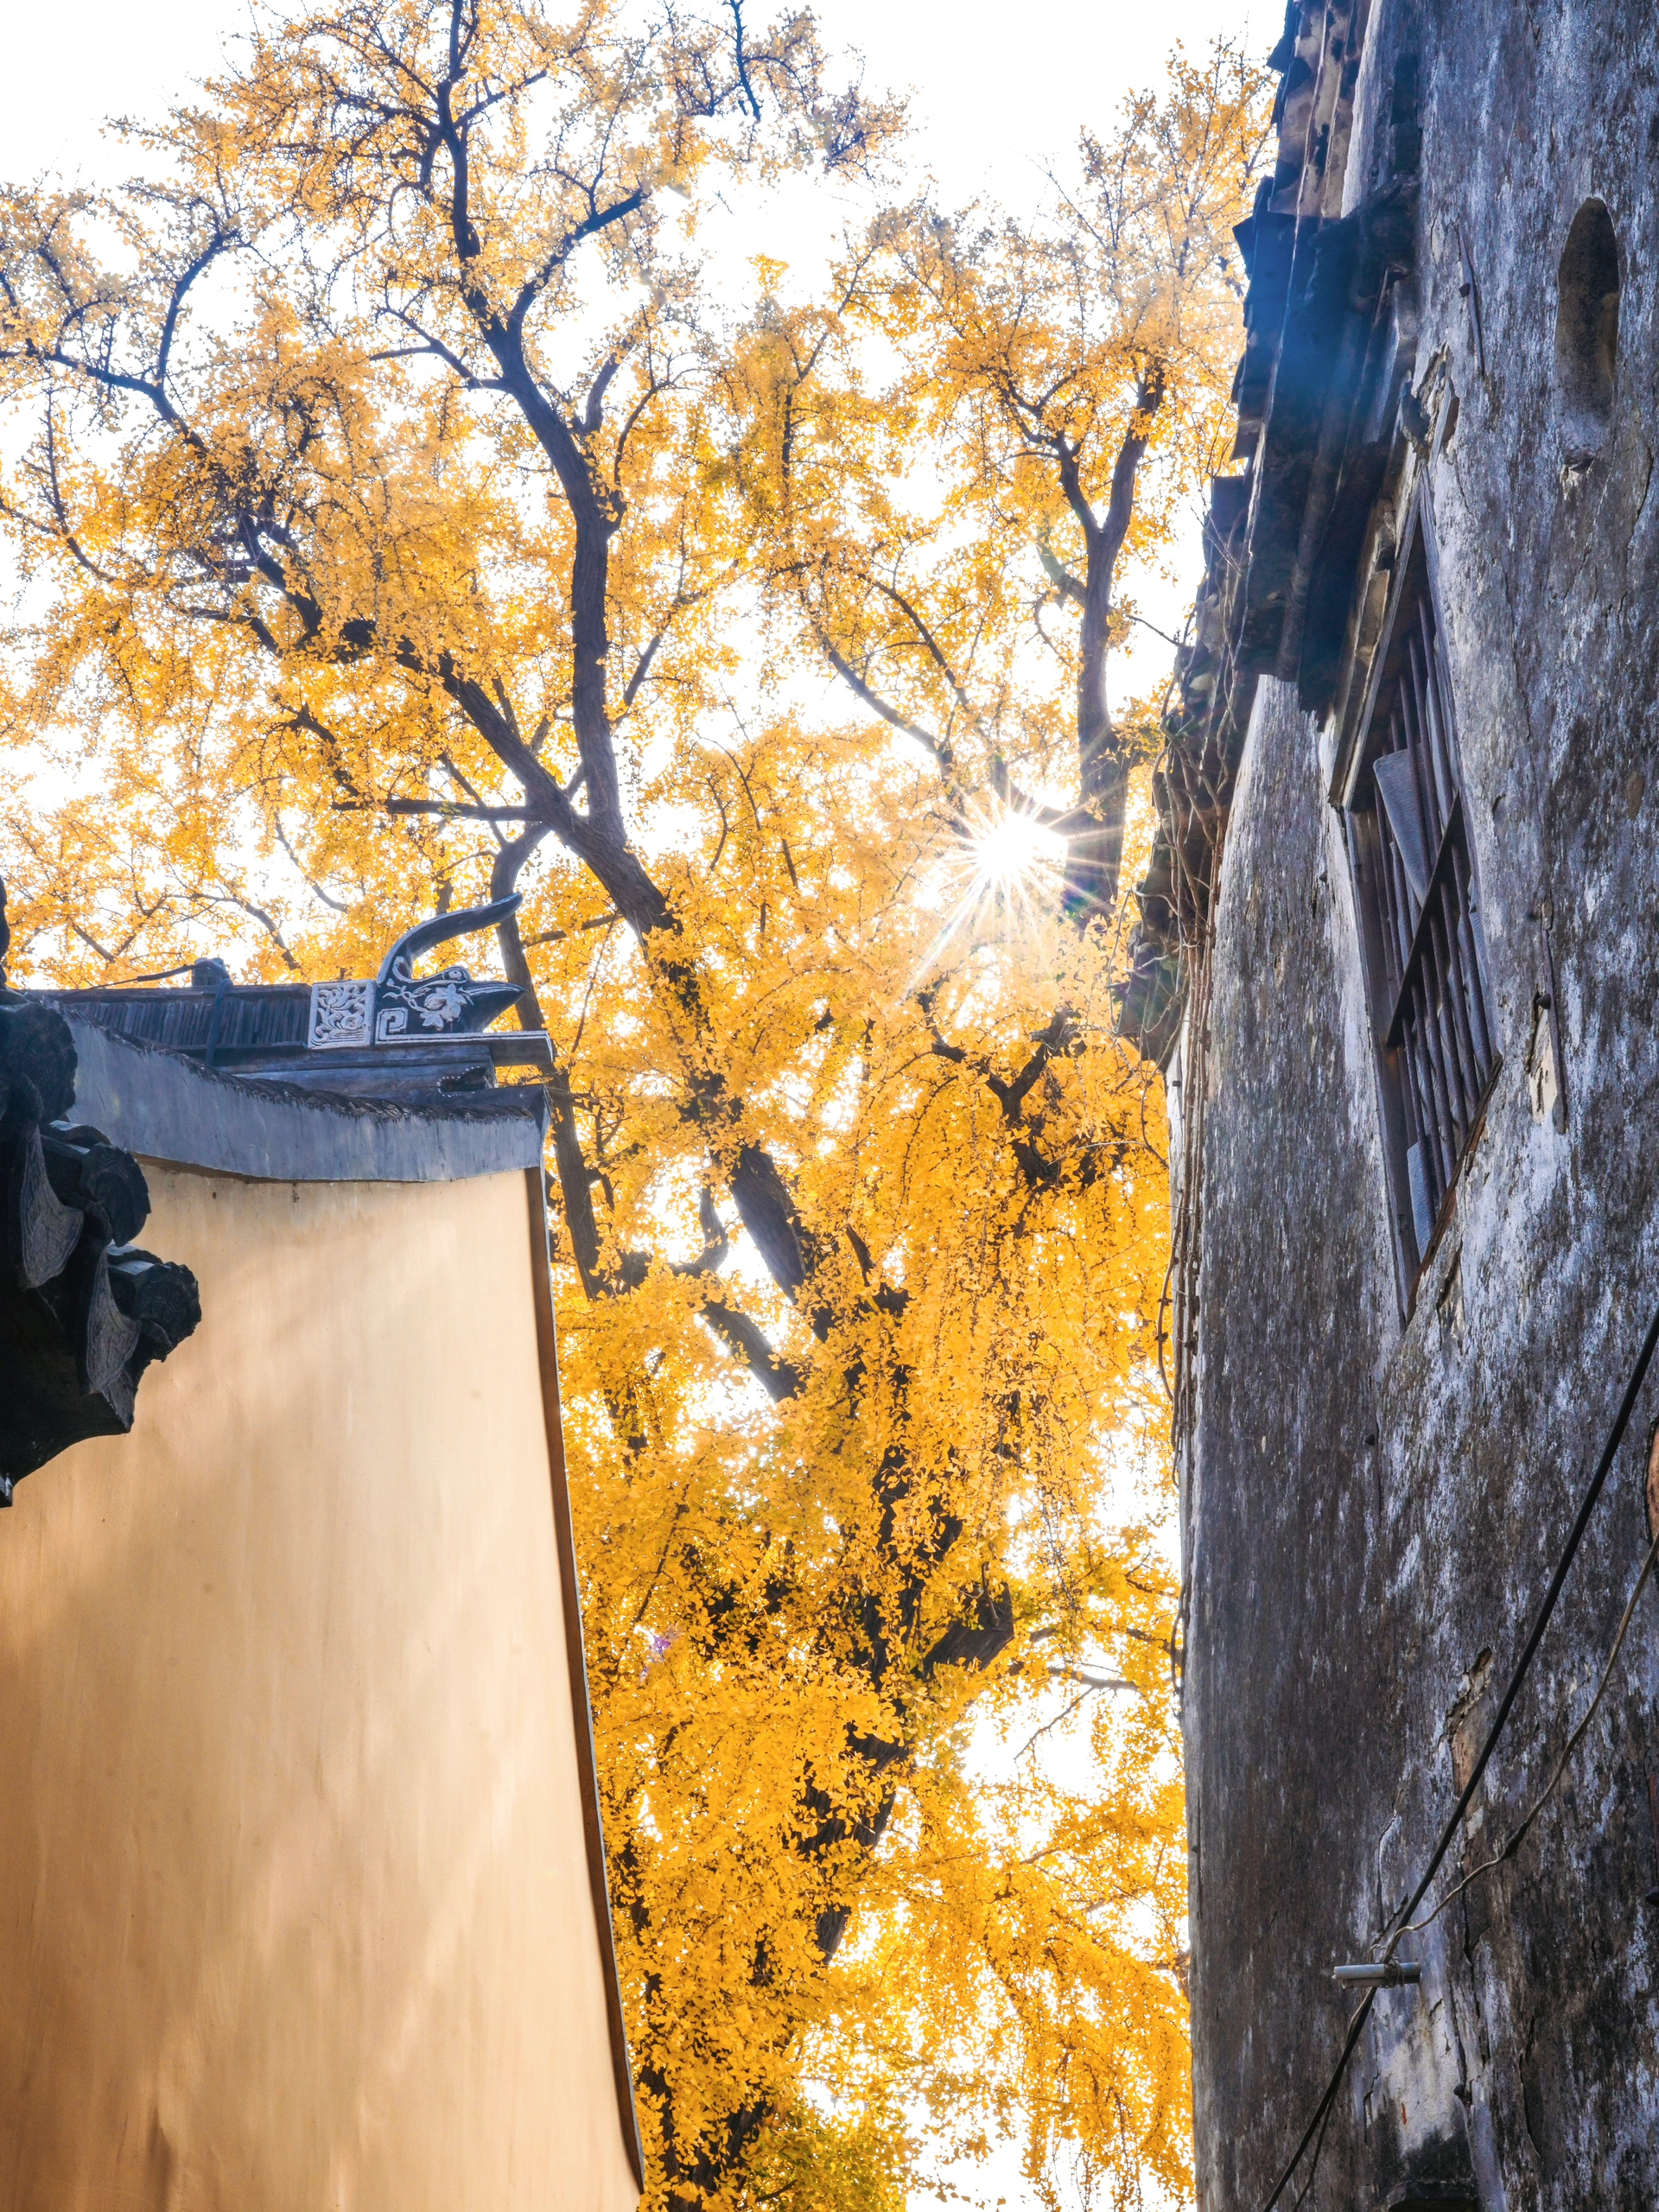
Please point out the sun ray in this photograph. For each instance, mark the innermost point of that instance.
(1007, 864)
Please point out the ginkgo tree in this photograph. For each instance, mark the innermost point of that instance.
(400, 523)
(1067, 381)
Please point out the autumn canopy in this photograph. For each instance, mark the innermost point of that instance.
(405, 516)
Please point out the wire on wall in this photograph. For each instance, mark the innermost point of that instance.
(1403, 1922)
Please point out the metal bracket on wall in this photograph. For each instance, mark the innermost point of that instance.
(1379, 1974)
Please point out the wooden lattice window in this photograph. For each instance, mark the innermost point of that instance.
(1418, 900)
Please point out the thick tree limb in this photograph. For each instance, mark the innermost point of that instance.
(778, 1377)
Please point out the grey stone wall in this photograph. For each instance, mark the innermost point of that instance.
(1373, 1505)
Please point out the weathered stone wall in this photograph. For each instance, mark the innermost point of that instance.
(1372, 1506)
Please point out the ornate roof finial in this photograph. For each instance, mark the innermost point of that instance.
(398, 1007)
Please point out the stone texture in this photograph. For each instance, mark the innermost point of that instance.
(1373, 1504)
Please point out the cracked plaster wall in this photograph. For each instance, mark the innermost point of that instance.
(1373, 1508)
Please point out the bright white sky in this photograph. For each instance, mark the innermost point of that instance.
(998, 94)
(996, 89)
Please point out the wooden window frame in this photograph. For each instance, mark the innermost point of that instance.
(1417, 895)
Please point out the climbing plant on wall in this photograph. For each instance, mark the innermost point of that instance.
(402, 521)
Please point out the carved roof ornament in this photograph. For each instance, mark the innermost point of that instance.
(398, 1038)
(83, 1310)
(398, 1007)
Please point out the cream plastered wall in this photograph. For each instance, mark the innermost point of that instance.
(294, 1907)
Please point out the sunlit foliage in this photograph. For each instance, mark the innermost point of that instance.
(951, 508)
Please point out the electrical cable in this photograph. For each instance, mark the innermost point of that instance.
(1523, 1666)
(1549, 1787)
(1323, 2117)
(1563, 1568)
